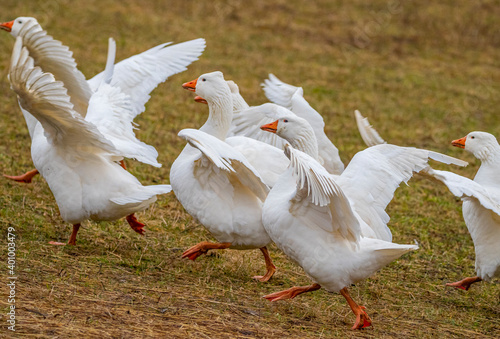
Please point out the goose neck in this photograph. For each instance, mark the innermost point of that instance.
(306, 142)
(219, 117)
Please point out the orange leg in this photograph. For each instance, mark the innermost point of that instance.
(362, 319)
(26, 177)
(291, 292)
(202, 248)
(269, 265)
(464, 284)
(72, 238)
(135, 224)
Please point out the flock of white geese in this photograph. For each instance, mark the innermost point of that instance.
(250, 175)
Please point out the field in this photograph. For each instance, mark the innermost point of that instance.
(424, 74)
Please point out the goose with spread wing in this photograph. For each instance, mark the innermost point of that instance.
(217, 92)
(320, 220)
(223, 182)
(362, 190)
(481, 204)
(78, 162)
(135, 77)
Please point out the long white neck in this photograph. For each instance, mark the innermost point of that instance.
(306, 142)
(239, 103)
(220, 116)
(488, 154)
(487, 174)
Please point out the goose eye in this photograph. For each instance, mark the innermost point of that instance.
(285, 120)
(472, 137)
(19, 21)
(203, 79)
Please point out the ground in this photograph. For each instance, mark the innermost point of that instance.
(424, 74)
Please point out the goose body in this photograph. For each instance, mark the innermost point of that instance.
(481, 204)
(133, 79)
(335, 227)
(222, 182)
(227, 200)
(77, 161)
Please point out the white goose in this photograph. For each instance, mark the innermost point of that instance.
(220, 96)
(369, 196)
(481, 204)
(77, 161)
(222, 182)
(136, 77)
(317, 219)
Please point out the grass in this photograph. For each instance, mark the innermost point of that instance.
(423, 74)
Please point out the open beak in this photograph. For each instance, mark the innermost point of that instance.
(459, 142)
(190, 86)
(7, 26)
(272, 127)
(200, 100)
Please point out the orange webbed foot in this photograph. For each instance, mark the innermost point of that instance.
(135, 224)
(362, 319)
(202, 248)
(194, 252)
(25, 178)
(291, 292)
(464, 284)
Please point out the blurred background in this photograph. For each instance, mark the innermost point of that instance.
(423, 73)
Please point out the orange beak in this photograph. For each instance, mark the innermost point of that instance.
(190, 86)
(200, 100)
(7, 26)
(459, 142)
(272, 127)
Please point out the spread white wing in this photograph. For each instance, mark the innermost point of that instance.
(374, 174)
(219, 157)
(54, 57)
(319, 199)
(111, 111)
(463, 187)
(47, 100)
(139, 75)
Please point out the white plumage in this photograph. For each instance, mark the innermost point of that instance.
(481, 204)
(335, 227)
(132, 81)
(292, 98)
(76, 159)
(222, 182)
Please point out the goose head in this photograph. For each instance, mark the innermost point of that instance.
(483, 145)
(238, 101)
(209, 86)
(15, 26)
(297, 131)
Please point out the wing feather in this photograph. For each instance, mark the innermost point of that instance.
(374, 174)
(317, 187)
(227, 159)
(369, 135)
(140, 74)
(47, 100)
(54, 57)
(247, 123)
(463, 187)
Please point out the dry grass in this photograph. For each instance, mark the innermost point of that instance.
(423, 74)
